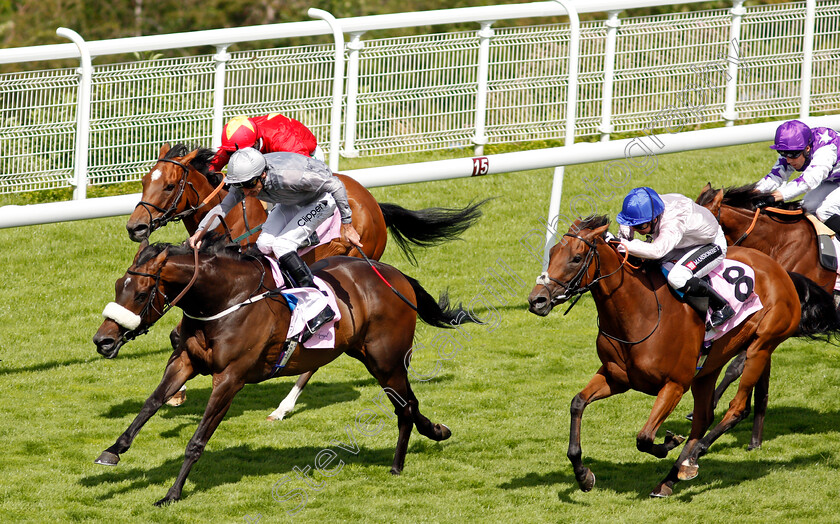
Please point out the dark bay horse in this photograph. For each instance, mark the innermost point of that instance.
(178, 183)
(784, 234)
(650, 341)
(376, 327)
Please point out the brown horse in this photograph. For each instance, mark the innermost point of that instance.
(784, 234)
(180, 181)
(650, 341)
(244, 347)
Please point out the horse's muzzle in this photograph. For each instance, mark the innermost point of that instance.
(106, 345)
(138, 231)
(540, 302)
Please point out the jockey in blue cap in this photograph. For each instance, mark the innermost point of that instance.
(816, 154)
(680, 231)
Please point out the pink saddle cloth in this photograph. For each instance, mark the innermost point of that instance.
(328, 230)
(735, 282)
(310, 302)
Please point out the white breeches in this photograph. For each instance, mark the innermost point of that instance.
(697, 261)
(288, 227)
(824, 200)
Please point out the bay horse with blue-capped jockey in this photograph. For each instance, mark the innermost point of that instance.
(650, 341)
(376, 327)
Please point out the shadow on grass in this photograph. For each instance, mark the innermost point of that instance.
(230, 466)
(715, 474)
(253, 397)
(640, 478)
(55, 364)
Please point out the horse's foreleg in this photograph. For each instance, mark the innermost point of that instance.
(754, 368)
(224, 389)
(288, 403)
(761, 394)
(178, 370)
(599, 387)
(667, 399)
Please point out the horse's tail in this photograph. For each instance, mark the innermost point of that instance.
(439, 313)
(428, 227)
(820, 318)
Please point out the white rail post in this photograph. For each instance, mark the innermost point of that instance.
(612, 22)
(82, 113)
(571, 112)
(338, 84)
(353, 46)
(220, 58)
(807, 58)
(484, 35)
(733, 63)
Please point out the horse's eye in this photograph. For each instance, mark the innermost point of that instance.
(169, 187)
(141, 297)
(577, 259)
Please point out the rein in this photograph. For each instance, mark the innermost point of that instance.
(776, 210)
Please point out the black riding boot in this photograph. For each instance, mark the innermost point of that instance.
(302, 277)
(833, 222)
(721, 311)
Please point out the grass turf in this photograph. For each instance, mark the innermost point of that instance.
(505, 394)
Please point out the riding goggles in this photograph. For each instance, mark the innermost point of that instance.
(791, 154)
(248, 184)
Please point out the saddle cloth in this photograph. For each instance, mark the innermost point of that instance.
(735, 282)
(307, 302)
(328, 230)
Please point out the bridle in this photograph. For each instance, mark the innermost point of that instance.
(573, 287)
(144, 326)
(170, 214)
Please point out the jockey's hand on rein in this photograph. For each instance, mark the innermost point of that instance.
(764, 201)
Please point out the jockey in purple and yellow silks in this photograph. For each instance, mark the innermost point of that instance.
(682, 231)
(815, 153)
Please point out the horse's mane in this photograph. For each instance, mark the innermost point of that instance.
(594, 222)
(741, 196)
(201, 162)
(212, 244)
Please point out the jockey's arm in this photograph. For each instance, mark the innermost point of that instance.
(777, 176)
(817, 171)
(665, 241)
(211, 220)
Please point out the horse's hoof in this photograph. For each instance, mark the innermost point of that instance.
(690, 416)
(107, 459)
(588, 481)
(396, 472)
(445, 432)
(165, 501)
(177, 399)
(687, 470)
(661, 492)
(671, 438)
(753, 446)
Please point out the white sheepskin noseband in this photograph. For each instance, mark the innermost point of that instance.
(121, 316)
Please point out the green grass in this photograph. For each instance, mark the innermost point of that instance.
(505, 395)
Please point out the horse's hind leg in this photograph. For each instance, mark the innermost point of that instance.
(288, 403)
(667, 399)
(754, 369)
(761, 394)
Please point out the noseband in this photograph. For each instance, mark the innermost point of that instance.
(170, 214)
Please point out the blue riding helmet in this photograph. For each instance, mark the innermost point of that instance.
(641, 205)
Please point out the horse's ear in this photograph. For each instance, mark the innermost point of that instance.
(714, 205)
(189, 157)
(143, 245)
(163, 150)
(599, 232)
